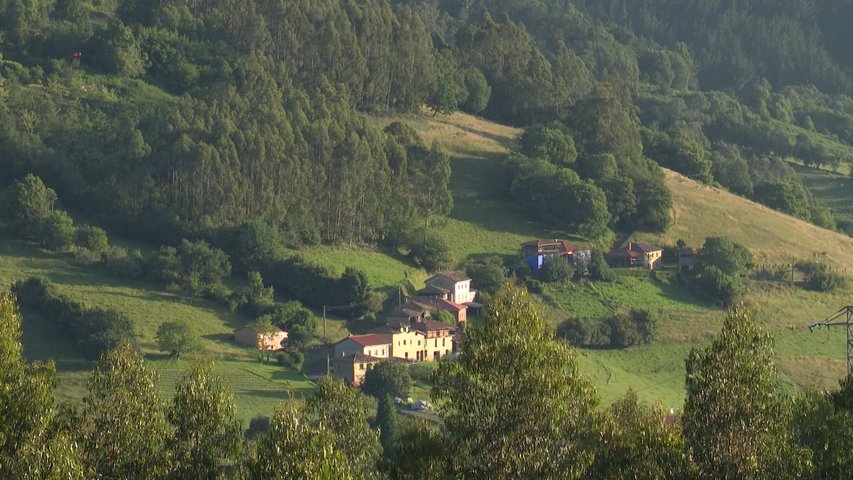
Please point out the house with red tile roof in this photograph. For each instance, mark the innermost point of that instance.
(371, 344)
(636, 255)
(459, 312)
(536, 252)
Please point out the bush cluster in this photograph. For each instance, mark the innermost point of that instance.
(820, 277)
(30, 209)
(620, 330)
(316, 286)
(94, 329)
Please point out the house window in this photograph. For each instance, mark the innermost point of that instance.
(419, 343)
(443, 342)
(361, 366)
(407, 355)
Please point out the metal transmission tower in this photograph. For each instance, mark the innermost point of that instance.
(841, 318)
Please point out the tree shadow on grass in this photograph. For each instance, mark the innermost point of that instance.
(220, 338)
(283, 395)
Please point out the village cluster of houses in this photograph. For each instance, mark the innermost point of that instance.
(629, 255)
(411, 334)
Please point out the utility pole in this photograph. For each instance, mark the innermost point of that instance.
(325, 339)
(841, 318)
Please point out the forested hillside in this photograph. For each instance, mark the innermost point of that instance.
(198, 115)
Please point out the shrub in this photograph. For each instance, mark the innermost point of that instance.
(598, 268)
(387, 378)
(555, 269)
(93, 239)
(487, 274)
(725, 255)
(95, 330)
(56, 231)
(290, 359)
(443, 316)
(194, 266)
(254, 299)
(620, 330)
(533, 285)
(820, 277)
(432, 252)
(118, 261)
(718, 284)
(316, 286)
(30, 202)
(252, 245)
(422, 372)
(177, 337)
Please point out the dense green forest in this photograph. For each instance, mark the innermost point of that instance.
(168, 120)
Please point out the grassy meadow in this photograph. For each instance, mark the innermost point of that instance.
(700, 211)
(830, 188)
(257, 387)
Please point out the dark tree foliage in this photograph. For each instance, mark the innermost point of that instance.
(824, 424)
(620, 330)
(387, 378)
(389, 426)
(94, 329)
(487, 274)
(637, 443)
(555, 269)
(720, 285)
(727, 256)
(316, 286)
(598, 268)
(421, 453)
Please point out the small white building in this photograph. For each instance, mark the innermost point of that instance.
(455, 286)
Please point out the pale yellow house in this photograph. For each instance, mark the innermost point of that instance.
(406, 342)
(263, 341)
(439, 340)
(635, 255)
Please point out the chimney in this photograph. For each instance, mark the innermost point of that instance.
(629, 246)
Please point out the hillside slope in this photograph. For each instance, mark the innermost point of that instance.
(700, 211)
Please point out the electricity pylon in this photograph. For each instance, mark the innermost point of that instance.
(841, 318)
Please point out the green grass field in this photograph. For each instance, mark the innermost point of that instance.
(257, 387)
(830, 188)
